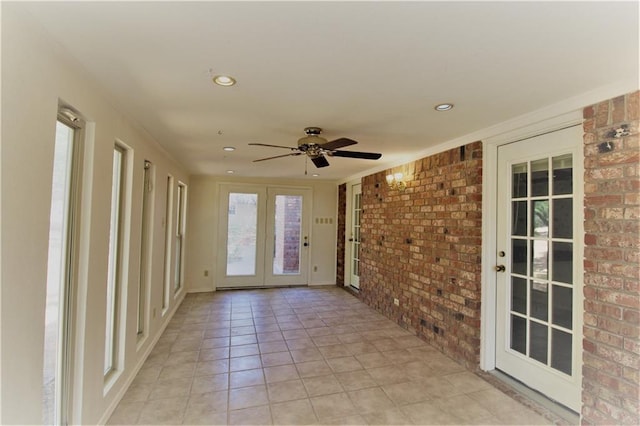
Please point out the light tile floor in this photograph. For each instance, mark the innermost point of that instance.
(298, 356)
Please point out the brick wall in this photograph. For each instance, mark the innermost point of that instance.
(341, 225)
(611, 345)
(423, 247)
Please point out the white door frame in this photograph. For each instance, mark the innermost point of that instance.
(348, 226)
(263, 276)
(488, 307)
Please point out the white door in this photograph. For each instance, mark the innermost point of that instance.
(539, 273)
(287, 242)
(354, 238)
(264, 236)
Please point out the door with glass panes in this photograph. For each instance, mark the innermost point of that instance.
(538, 273)
(354, 239)
(264, 236)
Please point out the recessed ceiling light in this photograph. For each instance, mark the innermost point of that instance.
(443, 107)
(230, 172)
(224, 80)
(229, 148)
(315, 175)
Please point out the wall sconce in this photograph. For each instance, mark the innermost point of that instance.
(395, 181)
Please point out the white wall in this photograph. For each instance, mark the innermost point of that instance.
(203, 223)
(36, 75)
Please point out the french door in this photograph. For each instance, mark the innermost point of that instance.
(354, 239)
(539, 274)
(264, 236)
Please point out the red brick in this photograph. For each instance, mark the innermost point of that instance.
(618, 298)
(619, 110)
(602, 114)
(633, 110)
(612, 301)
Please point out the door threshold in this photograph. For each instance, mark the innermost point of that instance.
(543, 405)
(261, 287)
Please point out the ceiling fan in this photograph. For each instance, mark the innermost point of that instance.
(315, 146)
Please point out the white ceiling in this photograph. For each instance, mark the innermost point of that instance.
(369, 71)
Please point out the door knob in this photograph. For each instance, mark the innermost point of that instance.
(500, 268)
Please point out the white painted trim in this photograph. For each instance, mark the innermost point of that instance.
(489, 213)
(200, 290)
(348, 226)
(539, 116)
(487, 277)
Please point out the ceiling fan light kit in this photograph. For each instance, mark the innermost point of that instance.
(316, 147)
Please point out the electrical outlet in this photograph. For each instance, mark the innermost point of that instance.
(206, 272)
(396, 302)
(315, 268)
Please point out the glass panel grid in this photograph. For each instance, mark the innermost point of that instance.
(541, 291)
(357, 214)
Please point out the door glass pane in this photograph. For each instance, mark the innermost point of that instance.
(562, 174)
(540, 258)
(519, 334)
(561, 353)
(562, 303)
(540, 218)
(538, 343)
(540, 178)
(287, 234)
(563, 218)
(539, 300)
(519, 295)
(519, 218)
(519, 175)
(356, 258)
(241, 234)
(355, 235)
(519, 257)
(563, 262)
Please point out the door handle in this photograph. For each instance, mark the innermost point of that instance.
(350, 239)
(500, 268)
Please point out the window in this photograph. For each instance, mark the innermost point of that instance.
(168, 234)
(115, 273)
(145, 244)
(65, 188)
(180, 228)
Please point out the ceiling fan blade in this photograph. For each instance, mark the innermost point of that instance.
(319, 161)
(273, 146)
(338, 143)
(356, 154)
(278, 156)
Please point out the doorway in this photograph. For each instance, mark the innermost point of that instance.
(538, 271)
(264, 236)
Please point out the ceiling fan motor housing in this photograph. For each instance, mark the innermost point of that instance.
(311, 143)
